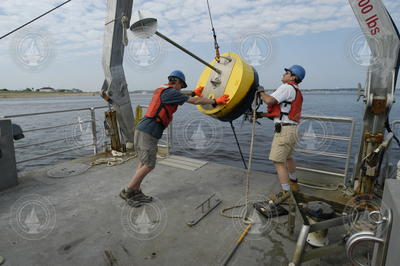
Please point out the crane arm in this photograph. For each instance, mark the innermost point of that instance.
(115, 88)
(384, 41)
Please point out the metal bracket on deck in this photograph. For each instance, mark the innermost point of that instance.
(206, 207)
(301, 254)
(380, 237)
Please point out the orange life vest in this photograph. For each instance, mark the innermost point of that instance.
(162, 113)
(295, 108)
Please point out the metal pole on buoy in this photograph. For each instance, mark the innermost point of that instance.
(146, 27)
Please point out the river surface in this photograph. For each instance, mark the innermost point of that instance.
(194, 134)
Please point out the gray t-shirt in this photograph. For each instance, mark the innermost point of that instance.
(150, 125)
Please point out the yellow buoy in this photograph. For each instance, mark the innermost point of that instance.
(237, 79)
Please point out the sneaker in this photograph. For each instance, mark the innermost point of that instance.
(279, 197)
(139, 196)
(294, 185)
(135, 195)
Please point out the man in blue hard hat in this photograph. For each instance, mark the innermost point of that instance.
(163, 105)
(284, 108)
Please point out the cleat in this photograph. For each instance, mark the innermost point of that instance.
(294, 185)
(280, 197)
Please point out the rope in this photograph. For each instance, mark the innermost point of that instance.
(253, 131)
(238, 206)
(277, 202)
(237, 143)
(247, 187)
(20, 27)
(216, 46)
(113, 160)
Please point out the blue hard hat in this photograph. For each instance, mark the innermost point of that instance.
(179, 74)
(298, 71)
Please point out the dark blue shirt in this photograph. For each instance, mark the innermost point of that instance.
(154, 128)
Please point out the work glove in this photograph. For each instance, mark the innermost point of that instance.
(249, 116)
(222, 100)
(260, 89)
(260, 115)
(198, 91)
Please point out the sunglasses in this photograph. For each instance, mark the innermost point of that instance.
(288, 73)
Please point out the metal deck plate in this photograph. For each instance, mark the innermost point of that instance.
(206, 206)
(183, 162)
(67, 170)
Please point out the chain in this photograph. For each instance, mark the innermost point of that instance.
(238, 144)
(216, 46)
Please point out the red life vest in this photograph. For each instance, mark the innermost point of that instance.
(162, 113)
(295, 107)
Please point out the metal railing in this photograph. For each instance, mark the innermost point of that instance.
(92, 121)
(167, 143)
(345, 156)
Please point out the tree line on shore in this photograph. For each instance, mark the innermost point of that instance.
(44, 89)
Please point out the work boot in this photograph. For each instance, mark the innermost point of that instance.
(279, 197)
(294, 185)
(135, 195)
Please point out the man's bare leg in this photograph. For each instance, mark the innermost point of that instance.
(282, 172)
(283, 177)
(141, 172)
(291, 165)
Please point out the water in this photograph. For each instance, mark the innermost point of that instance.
(195, 135)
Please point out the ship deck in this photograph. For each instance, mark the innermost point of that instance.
(94, 226)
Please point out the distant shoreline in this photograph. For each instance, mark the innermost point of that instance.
(26, 94)
(23, 94)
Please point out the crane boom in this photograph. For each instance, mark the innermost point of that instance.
(115, 88)
(384, 41)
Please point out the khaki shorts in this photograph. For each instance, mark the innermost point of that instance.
(283, 144)
(146, 148)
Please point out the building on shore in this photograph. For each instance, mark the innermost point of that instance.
(47, 89)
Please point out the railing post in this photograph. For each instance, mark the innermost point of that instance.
(398, 170)
(94, 132)
(349, 146)
(169, 136)
(139, 114)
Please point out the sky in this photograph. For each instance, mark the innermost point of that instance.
(64, 49)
